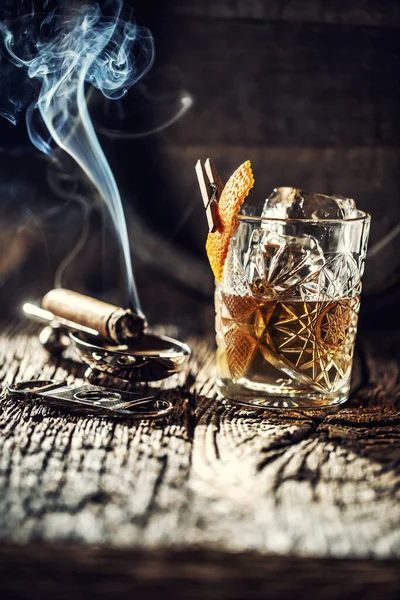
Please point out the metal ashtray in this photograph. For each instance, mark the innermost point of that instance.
(141, 358)
(150, 359)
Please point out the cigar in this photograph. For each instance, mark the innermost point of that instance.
(113, 323)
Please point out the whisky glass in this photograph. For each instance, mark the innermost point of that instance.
(287, 310)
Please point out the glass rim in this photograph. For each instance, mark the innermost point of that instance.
(363, 216)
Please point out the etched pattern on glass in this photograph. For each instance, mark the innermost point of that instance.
(293, 307)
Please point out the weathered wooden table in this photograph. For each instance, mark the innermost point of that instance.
(214, 502)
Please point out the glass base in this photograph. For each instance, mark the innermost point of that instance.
(273, 397)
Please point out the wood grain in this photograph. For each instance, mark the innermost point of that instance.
(367, 12)
(40, 572)
(283, 84)
(98, 481)
(212, 481)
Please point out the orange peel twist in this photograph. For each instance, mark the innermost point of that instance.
(235, 191)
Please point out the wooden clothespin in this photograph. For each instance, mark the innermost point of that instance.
(211, 187)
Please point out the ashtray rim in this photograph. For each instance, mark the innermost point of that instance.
(176, 347)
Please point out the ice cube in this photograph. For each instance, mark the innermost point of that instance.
(277, 264)
(291, 203)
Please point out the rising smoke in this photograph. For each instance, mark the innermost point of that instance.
(63, 53)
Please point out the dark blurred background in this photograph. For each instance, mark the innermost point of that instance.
(308, 90)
